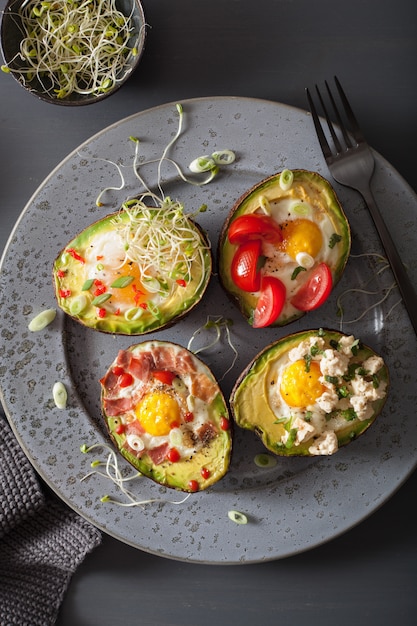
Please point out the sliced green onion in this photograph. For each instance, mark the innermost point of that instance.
(223, 157)
(265, 204)
(286, 179)
(202, 164)
(60, 395)
(134, 313)
(101, 299)
(121, 282)
(237, 517)
(88, 284)
(42, 319)
(79, 304)
(304, 259)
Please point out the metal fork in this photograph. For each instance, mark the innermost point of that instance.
(351, 163)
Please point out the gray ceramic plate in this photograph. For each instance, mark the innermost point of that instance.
(298, 504)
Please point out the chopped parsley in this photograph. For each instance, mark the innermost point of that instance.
(334, 239)
(297, 270)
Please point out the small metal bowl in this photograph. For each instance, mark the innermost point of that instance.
(12, 33)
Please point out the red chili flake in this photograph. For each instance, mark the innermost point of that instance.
(205, 473)
(61, 273)
(174, 424)
(143, 305)
(102, 312)
(75, 255)
(188, 417)
(100, 289)
(64, 293)
(98, 282)
(193, 485)
(117, 312)
(138, 294)
(173, 455)
(99, 257)
(181, 282)
(224, 423)
(120, 429)
(126, 379)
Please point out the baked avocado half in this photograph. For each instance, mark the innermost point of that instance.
(134, 271)
(167, 416)
(283, 247)
(310, 393)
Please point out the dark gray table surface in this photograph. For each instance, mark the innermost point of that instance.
(267, 49)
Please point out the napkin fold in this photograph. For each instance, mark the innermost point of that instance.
(42, 541)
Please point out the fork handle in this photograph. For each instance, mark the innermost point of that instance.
(404, 285)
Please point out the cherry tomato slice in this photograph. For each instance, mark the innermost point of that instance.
(270, 303)
(244, 268)
(315, 290)
(164, 376)
(254, 226)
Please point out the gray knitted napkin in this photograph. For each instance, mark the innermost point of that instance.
(42, 541)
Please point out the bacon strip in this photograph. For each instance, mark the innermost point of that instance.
(117, 406)
(158, 454)
(204, 388)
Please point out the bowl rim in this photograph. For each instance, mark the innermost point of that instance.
(140, 35)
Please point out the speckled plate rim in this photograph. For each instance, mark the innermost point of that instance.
(290, 510)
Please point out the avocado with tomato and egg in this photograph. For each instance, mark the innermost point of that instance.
(283, 247)
(135, 271)
(310, 393)
(167, 416)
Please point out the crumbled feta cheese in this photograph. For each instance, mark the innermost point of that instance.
(325, 444)
(304, 348)
(362, 408)
(328, 401)
(362, 387)
(333, 363)
(373, 364)
(346, 343)
(304, 431)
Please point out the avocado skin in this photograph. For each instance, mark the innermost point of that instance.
(118, 324)
(245, 302)
(215, 456)
(253, 377)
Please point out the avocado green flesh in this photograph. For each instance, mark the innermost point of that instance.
(305, 185)
(214, 456)
(251, 410)
(69, 277)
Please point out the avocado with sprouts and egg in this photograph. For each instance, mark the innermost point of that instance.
(283, 247)
(310, 393)
(134, 271)
(167, 416)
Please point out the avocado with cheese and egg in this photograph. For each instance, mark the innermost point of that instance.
(310, 393)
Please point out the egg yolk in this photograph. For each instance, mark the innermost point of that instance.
(301, 235)
(158, 412)
(301, 388)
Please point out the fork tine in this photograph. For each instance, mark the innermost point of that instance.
(339, 121)
(319, 130)
(328, 120)
(356, 131)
